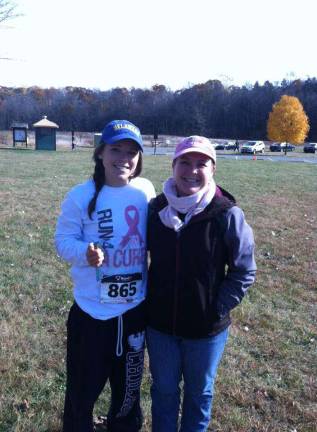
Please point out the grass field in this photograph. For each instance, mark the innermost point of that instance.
(267, 379)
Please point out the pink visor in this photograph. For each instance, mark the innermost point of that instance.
(195, 144)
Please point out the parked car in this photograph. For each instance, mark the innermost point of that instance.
(310, 147)
(277, 147)
(219, 146)
(289, 147)
(230, 145)
(253, 147)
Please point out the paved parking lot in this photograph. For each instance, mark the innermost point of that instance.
(271, 156)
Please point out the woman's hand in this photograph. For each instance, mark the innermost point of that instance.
(94, 255)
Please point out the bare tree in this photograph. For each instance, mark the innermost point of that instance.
(7, 10)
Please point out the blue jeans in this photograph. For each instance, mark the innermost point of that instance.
(196, 361)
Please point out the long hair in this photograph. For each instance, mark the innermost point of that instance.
(99, 176)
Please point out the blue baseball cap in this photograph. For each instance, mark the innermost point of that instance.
(118, 130)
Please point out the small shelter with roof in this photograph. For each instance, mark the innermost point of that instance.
(45, 134)
(20, 133)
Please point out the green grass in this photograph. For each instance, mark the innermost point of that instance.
(267, 378)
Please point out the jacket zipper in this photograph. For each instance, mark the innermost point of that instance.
(176, 282)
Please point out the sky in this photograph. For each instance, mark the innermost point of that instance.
(102, 44)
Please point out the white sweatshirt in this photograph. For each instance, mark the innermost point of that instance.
(118, 226)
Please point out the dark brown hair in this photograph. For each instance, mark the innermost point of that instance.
(99, 177)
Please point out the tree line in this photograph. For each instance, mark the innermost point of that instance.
(211, 109)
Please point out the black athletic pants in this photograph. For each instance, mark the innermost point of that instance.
(92, 358)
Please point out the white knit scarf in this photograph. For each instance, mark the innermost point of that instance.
(190, 205)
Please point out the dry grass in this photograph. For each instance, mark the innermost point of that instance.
(267, 379)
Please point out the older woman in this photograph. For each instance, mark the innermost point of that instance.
(202, 263)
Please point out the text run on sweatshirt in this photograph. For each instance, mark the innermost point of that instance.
(118, 227)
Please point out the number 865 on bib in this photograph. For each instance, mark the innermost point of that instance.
(121, 288)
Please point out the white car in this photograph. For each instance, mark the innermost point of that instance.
(253, 147)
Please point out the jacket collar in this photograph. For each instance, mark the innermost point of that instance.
(222, 201)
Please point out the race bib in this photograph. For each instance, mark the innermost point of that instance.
(121, 288)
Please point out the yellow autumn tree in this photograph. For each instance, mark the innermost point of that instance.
(288, 121)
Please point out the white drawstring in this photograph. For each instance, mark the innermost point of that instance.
(119, 349)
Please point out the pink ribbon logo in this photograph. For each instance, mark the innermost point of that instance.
(132, 222)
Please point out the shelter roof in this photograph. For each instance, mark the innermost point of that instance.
(45, 123)
(19, 125)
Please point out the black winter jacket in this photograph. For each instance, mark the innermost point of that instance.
(199, 274)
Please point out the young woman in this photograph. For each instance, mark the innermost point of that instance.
(202, 263)
(101, 232)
